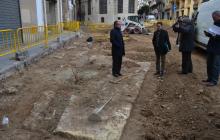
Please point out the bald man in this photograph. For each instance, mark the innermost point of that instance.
(213, 53)
(118, 50)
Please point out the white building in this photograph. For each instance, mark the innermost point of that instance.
(107, 11)
(39, 12)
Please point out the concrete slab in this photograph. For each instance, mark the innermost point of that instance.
(74, 121)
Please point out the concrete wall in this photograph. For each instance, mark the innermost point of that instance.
(69, 10)
(51, 13)
(28, 13)
(39, 12)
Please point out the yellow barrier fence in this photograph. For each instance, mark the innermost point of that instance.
(99, 27)
(22, 39)
(167, 22)
(29, 37)
(71, 26)
(54, 31)
(8, 41)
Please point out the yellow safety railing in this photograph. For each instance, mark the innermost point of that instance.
(99, 27)
(54, 31)
(29, 37)
(167, 22)
(8, 41)
(22, 39)
(71, 26)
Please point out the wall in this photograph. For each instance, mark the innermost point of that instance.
(28, 13)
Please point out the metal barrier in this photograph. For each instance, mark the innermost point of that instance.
(71, 26)
(29, 37)
(167, 22)
(99, 27)
(54, 31)
(22, 39)
(8, 41)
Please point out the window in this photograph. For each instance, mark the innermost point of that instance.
(102, 19)
(120, 6)
(131, 6)
(103, 6)
(89, 7)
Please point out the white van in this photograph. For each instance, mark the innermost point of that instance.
(204, 20)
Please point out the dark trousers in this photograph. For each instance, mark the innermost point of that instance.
(213, 67)
(187, 66)
(160, 62)
(116, 65)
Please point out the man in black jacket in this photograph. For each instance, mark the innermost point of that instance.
(162, 45)
(185, 28)
(118, 50)
(213, 53)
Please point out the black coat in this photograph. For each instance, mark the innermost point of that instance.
(214, 42)
(186, 36)
(159, 43)
(117, 41)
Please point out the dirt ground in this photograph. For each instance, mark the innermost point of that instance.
(177, 107)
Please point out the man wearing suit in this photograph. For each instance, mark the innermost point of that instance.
(161, 45)
(118, 50)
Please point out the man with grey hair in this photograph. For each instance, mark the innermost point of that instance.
(185, 28)
(213, 51)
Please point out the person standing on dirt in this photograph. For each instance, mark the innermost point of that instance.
(184, 26)
(161, 45)
(213, 52)
(118, 50)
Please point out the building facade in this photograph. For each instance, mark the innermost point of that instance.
(106, 11)
(69, 10)
(35, 12)
(171, 9)
(157, 8)
(176, 8)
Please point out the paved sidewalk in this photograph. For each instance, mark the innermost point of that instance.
(8, 65)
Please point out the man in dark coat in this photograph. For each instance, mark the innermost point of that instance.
(213, 53)
(162, 45)
(118, 50)
(185, 28)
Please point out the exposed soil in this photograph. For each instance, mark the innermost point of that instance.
(176, 107)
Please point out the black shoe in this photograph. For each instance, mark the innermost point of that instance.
(182, 73)
(206, 81)
(120, 74)
(210, 84)
(157, 73)
(115, 75)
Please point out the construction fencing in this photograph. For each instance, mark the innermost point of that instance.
(12, 41)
